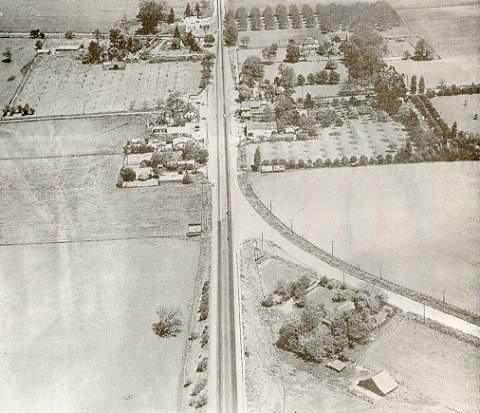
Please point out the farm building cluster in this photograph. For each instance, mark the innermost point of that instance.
(172, 150)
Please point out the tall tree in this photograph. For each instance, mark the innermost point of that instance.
(198, 11)
(390, 89)
(94, 53)
(171, 16)
(230, 33)
(257, 158)
(413, 85)
(188, 11)
(421, 85)
(150, 14)
(423, 51)
(293, 53)
(176, 33)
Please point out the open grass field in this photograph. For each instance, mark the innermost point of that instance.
(356, 137)
(76, 329)
(63, 86)
(263, 38)
(23, 50)
(453, 31)
(453, 108)
(83, 268)
(416, 225)
(435, 365)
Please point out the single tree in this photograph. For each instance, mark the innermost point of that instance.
(421, 85)
(308, 102)
(69, 35)
(423, 51)
(300, 80)
(188, 11)
(171, 16)
(8, 56)
(293, 53)
(413, 85)
(38, 45)
(169, 323)
(244, 40)
(150, 14)
(257, 159)
(97, 34)
(198, 11)
(176, 33)
(94, 53)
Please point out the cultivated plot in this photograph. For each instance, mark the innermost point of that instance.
(63, 86)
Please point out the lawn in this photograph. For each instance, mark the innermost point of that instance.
(438, 366)
(63, 86)
(356, 137)
(415, 225)
(453, 109)
(76, 330)
(23, 50)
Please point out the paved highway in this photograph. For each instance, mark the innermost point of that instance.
(225, 307)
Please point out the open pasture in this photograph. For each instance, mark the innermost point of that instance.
(452, 31)
(355, 137)
(62, 86)
(429, 363)
(77, 15)
(461, 70)
(460, 109)
(77, 333)
(23, 51)
(416, 225)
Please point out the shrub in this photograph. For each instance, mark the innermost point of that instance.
(169, 322)
(199, 386)
(201, 401)
(205, 337)
(128, 174)
(203, 365)
(203, 308)
(187, 179)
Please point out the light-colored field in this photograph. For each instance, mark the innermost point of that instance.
(76, 328)
(89, 267)
(438, 366)
(263, 38)
(23, 50)
(413, 224)
(356, 137)
(453, 108)
(461, 70)
(453, 31)
(64, 86)
(62, 15)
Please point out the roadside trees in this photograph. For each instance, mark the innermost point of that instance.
(413, 85)
(421, 85)
(230, 33)
(257, 159)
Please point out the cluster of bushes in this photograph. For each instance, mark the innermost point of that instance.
(284, 291)
(455, 90)
(323, 77)
(203, 308)
(207, 66)
(309, 339)
(25, 110)
(205, 337)
(329, 17)
(432, 117)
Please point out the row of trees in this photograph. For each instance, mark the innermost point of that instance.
(329, 17)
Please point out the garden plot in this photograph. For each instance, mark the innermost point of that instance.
(356, 137)
(23, 51)
(460, 109)
(62, 86)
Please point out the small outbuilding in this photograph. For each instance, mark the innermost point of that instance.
(336, 365)
(194, 230)
(381, 383)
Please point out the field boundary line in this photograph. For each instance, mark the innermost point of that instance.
(27, 243)
(335, 262)
(79, 155)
